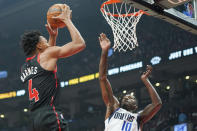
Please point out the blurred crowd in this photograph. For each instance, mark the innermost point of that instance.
(176, 109)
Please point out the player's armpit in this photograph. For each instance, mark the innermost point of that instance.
(149, 111)
(109, 99)
(111, 108)
(66, 50)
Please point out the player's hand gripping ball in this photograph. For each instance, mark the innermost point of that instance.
(57, 14)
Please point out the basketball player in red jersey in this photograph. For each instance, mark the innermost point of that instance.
(39, 73)
(120, 116)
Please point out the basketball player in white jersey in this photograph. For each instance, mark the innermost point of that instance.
(120, 116)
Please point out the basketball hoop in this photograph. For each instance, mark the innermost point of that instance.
(123, 19)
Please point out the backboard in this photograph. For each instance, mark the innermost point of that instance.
(181, 13)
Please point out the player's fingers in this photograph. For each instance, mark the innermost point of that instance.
(47, 26)
(104, 36)
(65, 6)
(148, 72)
(149, 67)
(99, 39)
(55, 30)
(101, 36)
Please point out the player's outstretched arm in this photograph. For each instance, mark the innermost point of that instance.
(109, 99)
(151, 109)
(76, 45)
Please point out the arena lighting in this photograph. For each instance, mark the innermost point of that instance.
(187, 77)
(125, 68)
(8, 95)
(62, 84)
(73, 81)
(124, 92)
(179, 54)
(175, 55)
(196, 81)
(96, 75)
(3, 74)
(132, 93)
(195, 49)
(86, 78)
(133, 66)
(113, 71)
(2, 116)
(157, 84)
(155, 60)
(25, 110)
(187, 52)
(12, 94)
(20, 93)
(167, 87)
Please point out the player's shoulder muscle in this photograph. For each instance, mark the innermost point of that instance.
(52, 51)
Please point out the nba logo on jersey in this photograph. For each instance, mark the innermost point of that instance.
(122, 120)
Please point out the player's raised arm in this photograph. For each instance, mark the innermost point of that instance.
(109, 99)
(53, 32)
(151, 109)
(76, 45)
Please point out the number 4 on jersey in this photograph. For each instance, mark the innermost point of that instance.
(32, 93)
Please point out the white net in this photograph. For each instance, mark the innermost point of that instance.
(123, 19)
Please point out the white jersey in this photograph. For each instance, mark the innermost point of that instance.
(122, 120)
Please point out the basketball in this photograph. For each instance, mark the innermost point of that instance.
(55, 10)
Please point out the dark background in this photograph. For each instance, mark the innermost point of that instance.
(82, 104)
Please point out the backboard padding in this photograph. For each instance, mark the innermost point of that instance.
(172, 16)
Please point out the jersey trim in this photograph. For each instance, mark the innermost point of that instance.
(55, 77)
(52, 100)
(30, 58)
(112, 114)
(55, 71)
(138, 121)
(58, 121)
(38, 58)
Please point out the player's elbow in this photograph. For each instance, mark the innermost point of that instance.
(81, 45)
(159, 102)
(158, 105)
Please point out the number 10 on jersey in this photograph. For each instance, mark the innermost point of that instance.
(126, 126)
(32, 93)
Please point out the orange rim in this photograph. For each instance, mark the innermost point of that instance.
(117, 15)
